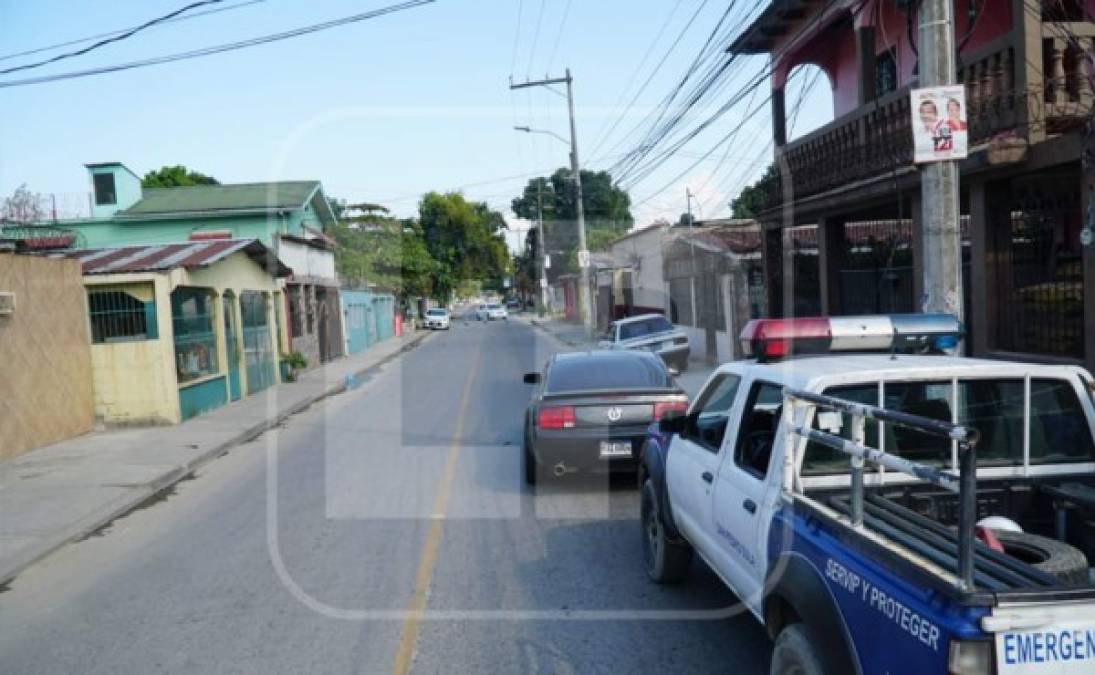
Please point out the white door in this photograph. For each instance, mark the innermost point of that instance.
(741, 488)
(693, 461)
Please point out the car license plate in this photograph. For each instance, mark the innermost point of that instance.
(615, 449)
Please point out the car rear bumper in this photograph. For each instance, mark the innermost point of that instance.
(579, 449)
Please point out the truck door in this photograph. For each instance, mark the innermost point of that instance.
(693, 460)
(741, 489)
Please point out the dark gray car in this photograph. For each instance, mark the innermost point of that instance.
(590, 411)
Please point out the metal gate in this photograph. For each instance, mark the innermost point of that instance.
(258, 352)
(232, 347)
(1039, 278)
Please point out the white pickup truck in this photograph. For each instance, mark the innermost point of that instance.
(881, 511)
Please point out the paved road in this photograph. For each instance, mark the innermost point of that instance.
(312, 548)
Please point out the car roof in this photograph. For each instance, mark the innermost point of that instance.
(808, 372)
(638, 317)
(595, 356)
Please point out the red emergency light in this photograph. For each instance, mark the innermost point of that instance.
(773, 339)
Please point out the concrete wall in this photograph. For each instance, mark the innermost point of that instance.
(135, 381)
(45, 360)
(648, 282)
(307, 261)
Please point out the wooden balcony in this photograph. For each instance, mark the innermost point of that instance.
(875, 140)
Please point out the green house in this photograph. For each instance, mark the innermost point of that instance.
(290, 218)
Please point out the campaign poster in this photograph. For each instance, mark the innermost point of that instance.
(939, 123)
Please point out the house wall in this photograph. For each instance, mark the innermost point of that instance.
(890, 31)
(45, 363)
(307, 261)
(648, 283)
(127, 190)
(108, 232)
(134, 382)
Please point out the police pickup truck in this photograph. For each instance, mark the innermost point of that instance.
(892, 509)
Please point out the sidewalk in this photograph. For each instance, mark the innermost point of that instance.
(56, 494)
(573, 335)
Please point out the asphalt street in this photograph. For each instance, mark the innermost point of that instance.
(385, 530)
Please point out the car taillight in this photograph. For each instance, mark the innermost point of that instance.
(556, 417)
(660, 409)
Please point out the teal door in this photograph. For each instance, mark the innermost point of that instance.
(258, 353)
(233, 348)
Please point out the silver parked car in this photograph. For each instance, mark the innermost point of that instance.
(650, 332)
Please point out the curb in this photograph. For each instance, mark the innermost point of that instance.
(138, 495)
(539, 325)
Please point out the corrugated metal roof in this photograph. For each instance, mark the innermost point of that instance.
(165, 257)
(217, 198)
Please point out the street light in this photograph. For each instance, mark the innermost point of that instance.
(546, 132)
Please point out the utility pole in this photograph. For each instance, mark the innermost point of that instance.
(584, 300)
(543, 245)
(940, 232)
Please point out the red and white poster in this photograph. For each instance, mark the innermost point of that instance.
(940, 129)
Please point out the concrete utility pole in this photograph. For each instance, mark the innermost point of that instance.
(585, 303)
(940, 231)
(543, 245)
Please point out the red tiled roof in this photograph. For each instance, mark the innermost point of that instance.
(164, 257)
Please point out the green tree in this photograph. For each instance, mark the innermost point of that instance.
(382, 251)
(607, 214)
(753, 199)
(176, 176)
(465, 239)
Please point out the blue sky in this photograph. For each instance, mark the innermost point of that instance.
(382, 110)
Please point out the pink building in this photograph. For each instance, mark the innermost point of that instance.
(1026, 193)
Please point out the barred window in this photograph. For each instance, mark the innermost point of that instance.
(119, 316)
(192, 316)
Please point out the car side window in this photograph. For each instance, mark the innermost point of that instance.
(706, 424)
(759, 424)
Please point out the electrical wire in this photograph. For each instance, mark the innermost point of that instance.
(68, 43)
(535, 40)
(559, 36)
(110, 40)
(218, 49)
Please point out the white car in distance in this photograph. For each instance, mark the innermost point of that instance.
(438, 319)
(491, 311)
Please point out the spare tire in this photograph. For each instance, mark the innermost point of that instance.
(1067, 563)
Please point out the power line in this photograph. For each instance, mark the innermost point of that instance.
(68, 43)
(558, 36)
(117, 38)
(516, 36)
(535, 39)
(231, 46)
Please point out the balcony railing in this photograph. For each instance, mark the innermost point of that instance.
(875, 139)
(1067, 49)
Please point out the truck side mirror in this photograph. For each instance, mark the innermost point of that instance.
(672, 422)
(532, 378)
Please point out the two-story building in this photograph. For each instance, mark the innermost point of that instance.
(1027, 193)
(288, 217)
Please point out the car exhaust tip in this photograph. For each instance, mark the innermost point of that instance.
(560, 470)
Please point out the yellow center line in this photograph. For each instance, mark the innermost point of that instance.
(424, 575)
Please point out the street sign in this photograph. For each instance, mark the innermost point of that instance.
(583, 258)
(547, 262)
(939, 126)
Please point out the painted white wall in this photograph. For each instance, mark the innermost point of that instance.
(647, 281)
(306, 261)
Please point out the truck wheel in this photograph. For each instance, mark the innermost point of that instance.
(795, 654)
(666, 561)
(1067, 563)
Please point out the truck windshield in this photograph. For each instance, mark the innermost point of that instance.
(1059, 430)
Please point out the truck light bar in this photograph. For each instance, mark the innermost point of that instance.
(773, 339)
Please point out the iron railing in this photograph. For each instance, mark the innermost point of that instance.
(964, 484)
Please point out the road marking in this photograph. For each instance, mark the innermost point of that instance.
(404, 655)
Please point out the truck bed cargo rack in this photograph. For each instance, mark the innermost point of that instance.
(800, 407)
